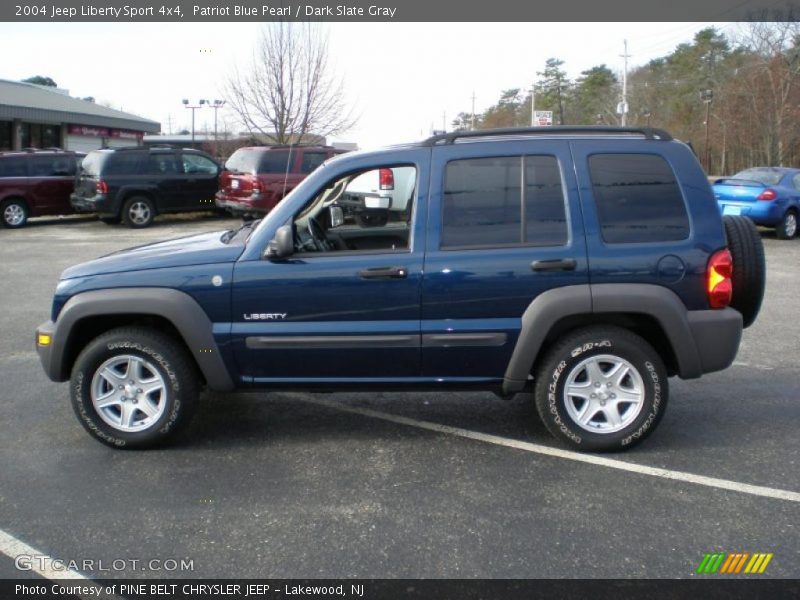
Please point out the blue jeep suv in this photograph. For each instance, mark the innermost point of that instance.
(584, 265)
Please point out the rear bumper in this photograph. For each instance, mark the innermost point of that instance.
(98, 203)
(760, 212)
(716, 335)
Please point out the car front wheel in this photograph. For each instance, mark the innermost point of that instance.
(133, 387)
(601, 389)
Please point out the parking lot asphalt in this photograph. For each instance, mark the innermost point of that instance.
(282, 485)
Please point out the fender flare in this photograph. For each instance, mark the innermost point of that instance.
(177, 307)
(658, 302)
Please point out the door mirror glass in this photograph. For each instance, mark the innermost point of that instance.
(282, 245)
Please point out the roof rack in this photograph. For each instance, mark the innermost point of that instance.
(649, 133)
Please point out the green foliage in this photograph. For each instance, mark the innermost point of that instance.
(39, 80)
(754, 116)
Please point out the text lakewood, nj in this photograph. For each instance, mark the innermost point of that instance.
(297, 11)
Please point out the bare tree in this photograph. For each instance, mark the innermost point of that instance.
(289, 90)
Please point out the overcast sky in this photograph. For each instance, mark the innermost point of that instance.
(400, 77)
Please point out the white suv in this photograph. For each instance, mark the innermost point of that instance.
(381, 194)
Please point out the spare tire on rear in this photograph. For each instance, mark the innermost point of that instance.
(749, 269)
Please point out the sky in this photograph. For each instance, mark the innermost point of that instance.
(401, 79)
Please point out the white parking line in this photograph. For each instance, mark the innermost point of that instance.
(592, 459)
(39, 563)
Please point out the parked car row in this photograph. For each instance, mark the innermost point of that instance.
(133, 185)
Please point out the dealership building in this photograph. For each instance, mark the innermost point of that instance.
(35, 116)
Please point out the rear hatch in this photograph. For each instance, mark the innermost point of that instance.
(236, 181)
(88, 175)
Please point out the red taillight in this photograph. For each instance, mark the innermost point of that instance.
(386, 179)
(718, 279)
(767, 195)
(256, 186)
(101, 187)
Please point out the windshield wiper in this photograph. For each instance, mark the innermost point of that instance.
(232, 233)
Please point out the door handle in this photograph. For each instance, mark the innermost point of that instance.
(384, 273)
(554, 264)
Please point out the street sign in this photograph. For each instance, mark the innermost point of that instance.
(543, 118)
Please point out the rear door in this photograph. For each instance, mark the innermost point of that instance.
(201, 180)
(504, 226)
(52, 179)
(166, 171)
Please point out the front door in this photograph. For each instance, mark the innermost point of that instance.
(345, 306)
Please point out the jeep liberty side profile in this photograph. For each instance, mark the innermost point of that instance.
(585, 265)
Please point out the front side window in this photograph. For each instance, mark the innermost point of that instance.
(638, 199)
(363, 211)
(197, 163)
(505, 201)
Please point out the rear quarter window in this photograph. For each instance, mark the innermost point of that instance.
(638, 199)
(14, 166)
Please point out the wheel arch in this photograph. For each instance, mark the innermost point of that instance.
(87, 315)
(651, 311)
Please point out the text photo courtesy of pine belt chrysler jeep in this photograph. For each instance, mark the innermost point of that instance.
(584, 265)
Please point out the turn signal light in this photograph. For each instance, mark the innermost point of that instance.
(43, 339)
(718, 277)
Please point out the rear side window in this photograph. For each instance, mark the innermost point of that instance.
(121, 163)
(53, 166)
(163, 164)
(487, 203)
(274, 162)
(311, 160)
(243, 161)
(638, 199)
(13, 167)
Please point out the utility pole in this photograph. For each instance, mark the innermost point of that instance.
(533, 104)
(473, 111)
(624, 104)
(444, 121)
(193, 107)
(169, 123)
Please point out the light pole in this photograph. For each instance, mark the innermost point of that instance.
(707, 96)
(216, 105)
(193, 107)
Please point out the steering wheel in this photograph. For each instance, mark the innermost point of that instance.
(317, 233)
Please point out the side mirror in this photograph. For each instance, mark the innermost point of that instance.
(336, 215)
(282, 245)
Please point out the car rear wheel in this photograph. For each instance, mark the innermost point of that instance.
(14, 212)
(133, 387)
(749, 268)
(787, 228)
(601, 389)
(138, 211)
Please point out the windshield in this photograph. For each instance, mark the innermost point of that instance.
(765, 176)
(243, 161)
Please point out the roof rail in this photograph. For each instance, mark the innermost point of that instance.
(649, 133)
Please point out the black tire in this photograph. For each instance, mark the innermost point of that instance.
(14, 213)
(787, 228)
(749, 268)
(111, 220)
(172, 405)
(569, 360)
(138, 212)
(376, 217)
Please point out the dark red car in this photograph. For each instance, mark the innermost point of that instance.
(36, 183)
(256, 178)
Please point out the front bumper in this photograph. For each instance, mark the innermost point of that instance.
(45, 352)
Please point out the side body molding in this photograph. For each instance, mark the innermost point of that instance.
(178, 307)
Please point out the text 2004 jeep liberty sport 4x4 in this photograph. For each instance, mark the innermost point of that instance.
(585, 264)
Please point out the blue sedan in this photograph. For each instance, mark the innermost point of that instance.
(769, 196)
